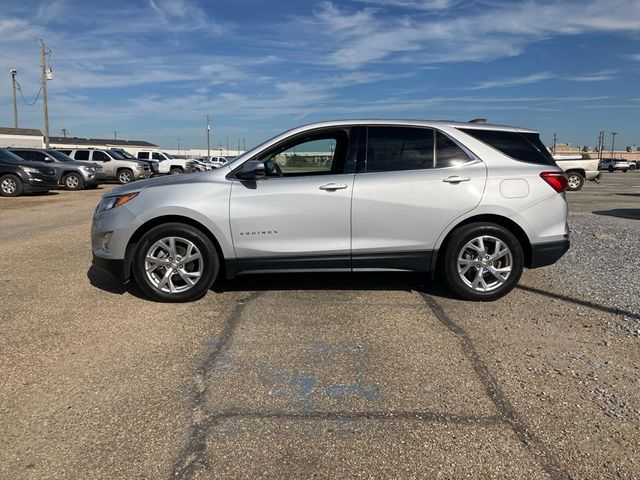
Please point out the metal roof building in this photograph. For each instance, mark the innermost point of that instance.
(21, 137)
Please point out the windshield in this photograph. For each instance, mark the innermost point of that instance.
(117, 154)
(170, 157)
(61, 157)
(126, 154)
(7, 156)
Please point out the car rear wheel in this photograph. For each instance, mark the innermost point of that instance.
(610, 169)
(483, 261)
(73, 181)
(125, 176)
(576, 181)
(10, 186)
(175, 262)
(176, 171)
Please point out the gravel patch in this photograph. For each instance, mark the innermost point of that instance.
(602, 264)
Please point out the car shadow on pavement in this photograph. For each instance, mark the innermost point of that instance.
(334, 281)
(629, 213)
(294, 281)
(579, 301)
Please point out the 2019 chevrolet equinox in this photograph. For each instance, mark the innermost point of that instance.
(477, 201)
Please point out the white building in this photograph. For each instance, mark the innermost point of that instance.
(130, 146)
(21, 137)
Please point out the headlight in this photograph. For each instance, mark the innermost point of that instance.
(88, 169)
(140, 166)
(112, 202)
(30, 169)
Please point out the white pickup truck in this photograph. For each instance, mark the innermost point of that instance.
(168, 163)
(578, 169)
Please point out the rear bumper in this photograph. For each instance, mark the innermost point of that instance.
(543, 254)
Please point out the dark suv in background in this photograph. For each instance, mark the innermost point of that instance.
(18, 176)
(73, 175)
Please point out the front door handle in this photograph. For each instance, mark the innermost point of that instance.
(455, 179)
(332, 186)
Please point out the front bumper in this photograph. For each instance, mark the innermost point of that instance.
(40, 182)
(543, 254)
(114, 267)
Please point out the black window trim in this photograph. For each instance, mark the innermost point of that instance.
(361, 168)
(349, 162)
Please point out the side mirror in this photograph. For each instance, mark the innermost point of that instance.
(48, 160)
(252, 170)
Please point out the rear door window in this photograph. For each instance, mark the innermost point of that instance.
(81, 155)
(399, 148)
(143, 155)
(525, 147)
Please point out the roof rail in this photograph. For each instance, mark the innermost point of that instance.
(478, 120)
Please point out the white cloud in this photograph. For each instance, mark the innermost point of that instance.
(512, 82)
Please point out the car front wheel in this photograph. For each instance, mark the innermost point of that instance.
(483, 261)
(73, 181)
(175, 262)
(125, 176)
(10, 186)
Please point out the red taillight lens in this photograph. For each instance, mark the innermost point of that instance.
(558, 180)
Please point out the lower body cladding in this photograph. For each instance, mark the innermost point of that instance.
(541, 255)
(40, 183)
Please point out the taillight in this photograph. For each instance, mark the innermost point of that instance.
(558, 180)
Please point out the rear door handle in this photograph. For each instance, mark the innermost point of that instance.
(332, 186)
(456, 179)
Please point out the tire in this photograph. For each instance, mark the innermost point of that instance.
(610, 169)
(458, 253)
(576, 181)
(633, 166)
(169, 280)
(176, 171)
(10, 185)
(125, 175)
(73, 181)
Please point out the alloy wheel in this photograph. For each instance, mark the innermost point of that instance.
(485, 263)
(124, 177)
(72, 181)
(9, 186)
(574, 181)
(173, 264)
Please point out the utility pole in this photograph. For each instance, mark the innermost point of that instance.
(115, 135)
(555, 142)
(600, 144)
(178, 146)
(44, 94)
(15, 104)
(208, 139)
(244, 145)
(613, 142)
(227, 144)
(65, 132)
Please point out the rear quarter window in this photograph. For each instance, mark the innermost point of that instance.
(525, 147)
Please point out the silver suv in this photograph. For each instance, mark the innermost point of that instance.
(116, 166)
(477, 202)
(73, 175)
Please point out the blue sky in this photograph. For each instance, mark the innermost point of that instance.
(153, 69)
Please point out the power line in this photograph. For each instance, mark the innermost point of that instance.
(24, 99)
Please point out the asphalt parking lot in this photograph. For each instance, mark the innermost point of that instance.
(304, 376)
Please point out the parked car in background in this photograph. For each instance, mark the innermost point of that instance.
(154, 165)
(167, 163)
(218, 162)
(578, 169)
(116, 166)
(73, 175)
(18, 176)
(614, 164)
(477, 202)
(634, 164)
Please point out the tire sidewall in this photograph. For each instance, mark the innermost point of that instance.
(176, 171)
(120, 172)
(80, 185)
(460, 238)
(580, 181)
(18, 183)
(207, 250)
